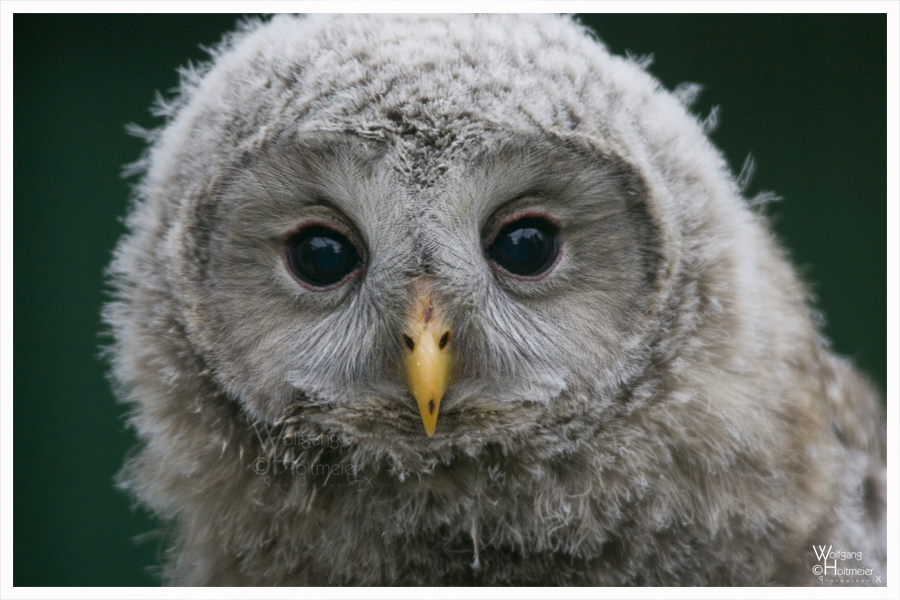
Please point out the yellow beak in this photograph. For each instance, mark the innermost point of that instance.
(427, 358)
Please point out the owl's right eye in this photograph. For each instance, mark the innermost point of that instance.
(320, 256)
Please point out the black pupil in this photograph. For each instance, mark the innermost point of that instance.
(526, 247)
(321, 256)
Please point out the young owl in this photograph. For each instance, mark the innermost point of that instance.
(453, 300)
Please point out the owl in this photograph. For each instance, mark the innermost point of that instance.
(466, 300)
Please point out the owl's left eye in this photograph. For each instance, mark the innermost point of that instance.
(320, 256)
(527, 247)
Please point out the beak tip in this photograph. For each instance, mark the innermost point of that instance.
(430, 423)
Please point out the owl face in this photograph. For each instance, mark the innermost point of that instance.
(476, 245)
(331, 274)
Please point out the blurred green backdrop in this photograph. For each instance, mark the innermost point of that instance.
(806, 94)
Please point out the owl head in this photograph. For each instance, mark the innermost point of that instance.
(427, 236)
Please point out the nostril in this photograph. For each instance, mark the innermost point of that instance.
(408, 341)
(445, 339)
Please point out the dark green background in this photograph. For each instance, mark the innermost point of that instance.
(805, 94)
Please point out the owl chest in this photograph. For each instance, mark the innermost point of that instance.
(517, 530)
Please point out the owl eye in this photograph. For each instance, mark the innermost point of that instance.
(320, 256)
(527, 247)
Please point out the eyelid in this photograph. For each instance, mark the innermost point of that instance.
(516, 216)
(329, 224)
